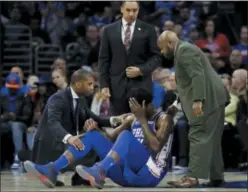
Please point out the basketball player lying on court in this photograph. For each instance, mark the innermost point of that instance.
(134, 155)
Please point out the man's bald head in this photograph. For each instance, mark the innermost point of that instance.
(167, 41)
(239, 78)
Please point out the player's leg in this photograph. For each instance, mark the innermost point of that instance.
(48, 173)
(126, 151)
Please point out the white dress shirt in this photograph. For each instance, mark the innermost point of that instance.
(124, 28)
(74, 97)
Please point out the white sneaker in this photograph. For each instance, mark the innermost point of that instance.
(16, 165)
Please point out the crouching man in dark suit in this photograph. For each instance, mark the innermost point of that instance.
(63, 119)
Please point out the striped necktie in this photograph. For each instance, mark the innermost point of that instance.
(127, 38)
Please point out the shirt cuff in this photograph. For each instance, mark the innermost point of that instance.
(176, 104)
(65, 140)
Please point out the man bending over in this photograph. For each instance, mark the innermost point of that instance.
(134, 155)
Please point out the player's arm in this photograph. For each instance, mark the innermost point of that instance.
(124, 126)
(164, 127)
(156, 141)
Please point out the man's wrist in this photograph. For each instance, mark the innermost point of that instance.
(65, 139)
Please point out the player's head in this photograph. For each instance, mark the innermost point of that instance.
(82, 82)
(141, 95)
(130, 10)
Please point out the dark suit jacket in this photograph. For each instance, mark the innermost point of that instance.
(58, 120)
(114, 59)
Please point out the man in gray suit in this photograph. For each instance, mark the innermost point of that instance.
(203, 98)
(63, 119)
(128, 53)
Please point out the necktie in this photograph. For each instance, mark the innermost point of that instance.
(127, 38)
(76, 115)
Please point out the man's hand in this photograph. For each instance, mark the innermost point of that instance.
(106, 93)
(197, 109)
(117, 120)
(90, 124)
(138, 110)
(76, 142)
(133, 72)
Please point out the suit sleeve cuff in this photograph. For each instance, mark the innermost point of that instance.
(65, 140)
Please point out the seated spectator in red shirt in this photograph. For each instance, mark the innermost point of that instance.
(215, 42)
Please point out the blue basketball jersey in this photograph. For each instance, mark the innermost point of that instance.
(157, 161)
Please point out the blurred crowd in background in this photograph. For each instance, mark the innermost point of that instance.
(218, 28)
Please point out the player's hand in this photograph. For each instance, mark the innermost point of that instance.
(90, 124)
(106, 93)
(117, 120)
(138, 110)
(132, 72)
(76, 142)
(197, 109)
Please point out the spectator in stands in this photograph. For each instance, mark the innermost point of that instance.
(178, 29)
(85, 43)
(39, 105)
(39, 35)
(99, 19)
(231, 109)
(230, 152)
(94, 51)
(239, 83)
(59, 78)
(159, 92)
(193, 35)
(168, 25)
(24, 89)
(235, 61)
(186, 20)
(163, 11)
(54, 21)
(19, 71)
(216, 42)
(32, 84)
(100, 106)
(243, 44)
(16, 111)
(15, 16)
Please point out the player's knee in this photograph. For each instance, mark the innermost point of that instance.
(93, 134)
(126, 134)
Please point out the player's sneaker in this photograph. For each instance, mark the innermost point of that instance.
(45, 173)
(95, 175)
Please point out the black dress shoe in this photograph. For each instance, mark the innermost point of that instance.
(59, 184)
(76, 180)
(214, 183)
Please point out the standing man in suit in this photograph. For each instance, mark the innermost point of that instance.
(127, 57)
(63, 119)
(203, 98)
